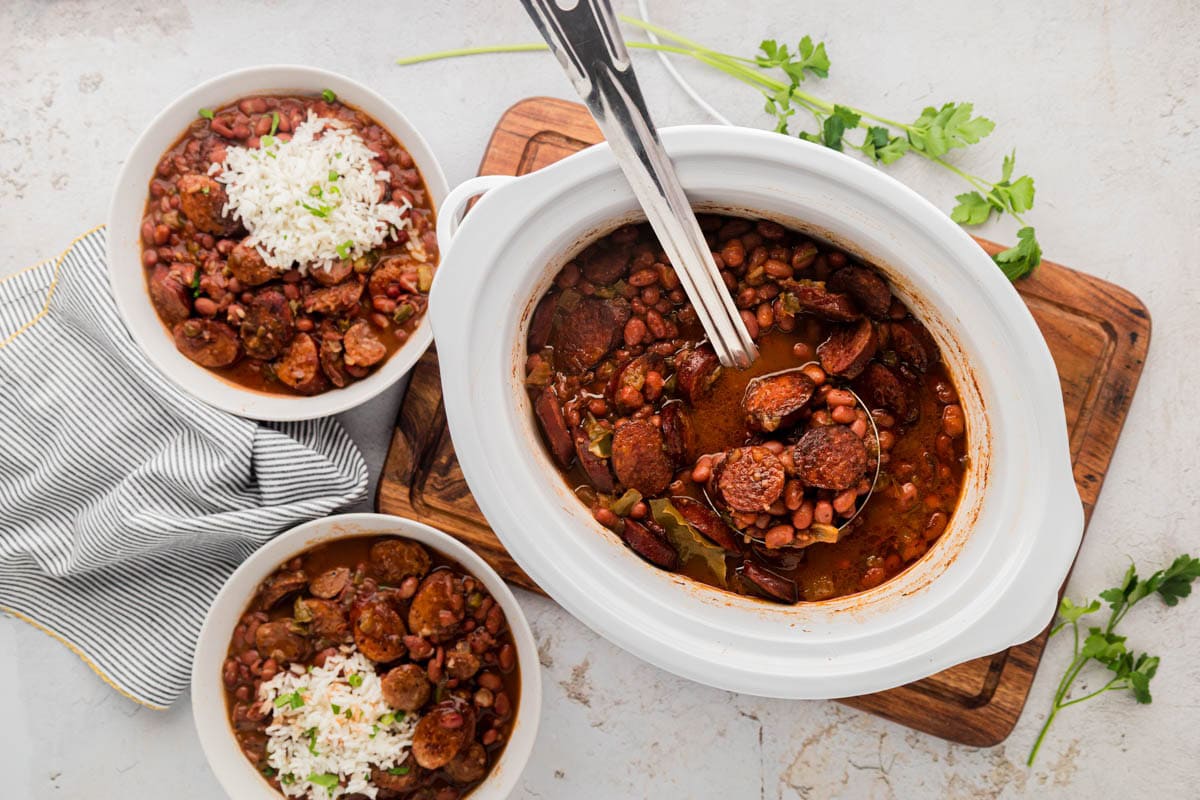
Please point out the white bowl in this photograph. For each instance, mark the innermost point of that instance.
(127, 275)
(992, 579)
(236, 774)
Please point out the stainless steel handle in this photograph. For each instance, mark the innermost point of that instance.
(586, 40)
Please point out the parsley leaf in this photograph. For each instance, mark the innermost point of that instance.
(938, 131)
(326, 780)
(1130, 670)
(835, 126)
(972, 209)
(880, 145)
(1020, 259)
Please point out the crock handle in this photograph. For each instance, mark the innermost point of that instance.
(453, 207)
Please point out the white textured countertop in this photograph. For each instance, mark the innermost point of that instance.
(1103, 105)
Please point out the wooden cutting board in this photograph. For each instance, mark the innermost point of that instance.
(1097, 332)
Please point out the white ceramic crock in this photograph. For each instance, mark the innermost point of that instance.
(127, 275)
(990, 581)
(236, 774)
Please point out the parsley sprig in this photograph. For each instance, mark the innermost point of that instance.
(778, 73)
(1130, 669)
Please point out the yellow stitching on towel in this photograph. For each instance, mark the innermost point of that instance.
(82, 655)
(49, 290)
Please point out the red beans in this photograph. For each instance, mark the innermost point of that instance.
(751, 322)
(954, 422)
(149, 258)
(733, 253)
(635, 332)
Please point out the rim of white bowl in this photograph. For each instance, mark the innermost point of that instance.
(234, 772)
(127, 275)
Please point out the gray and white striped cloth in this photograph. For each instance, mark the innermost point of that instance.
(124, 503)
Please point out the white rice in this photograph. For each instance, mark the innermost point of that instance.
(313, 740)
(313, 200)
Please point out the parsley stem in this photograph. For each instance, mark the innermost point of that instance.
(471, 51)
(1106, 687)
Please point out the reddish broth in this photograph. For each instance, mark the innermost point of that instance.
(615, 360)
(492, 693)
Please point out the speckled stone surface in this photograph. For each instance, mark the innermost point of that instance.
(1103, 104)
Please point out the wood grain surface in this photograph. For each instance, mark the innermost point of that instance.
(1098, 334)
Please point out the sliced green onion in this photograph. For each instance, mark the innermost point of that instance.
(336, 708)
(354, 679)
(206, 113)
(274, 122)
(333, 175)
(329, 95)
(398, 771)
(326, 780)
(387, 719)
(343, 249)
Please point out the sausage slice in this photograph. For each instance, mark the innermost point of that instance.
(338, 271)
(867, 288)
(406, 687)
(881, 388)
(639, 457)
(207, 342)
(603, 265)
(268, 326)
(247, 265)
(554, 427)
(679, 437)
(330, 584)
(649, 546)
(541, 323)
(696, 371)
(279, 586)
(362, 347)
(830, 457)
(706, 521)
(469, 765)
(393, 560)
(169, 294)
(442, 733)
(774, 586)
(584, 335)
(433, 613)
(201, 199)
(277, 640)
(816, 299)
(751, 478)
(334, 300)
(848, 349)
(596, 467)
(772, 402)
(299, 365)
(378, 630)
(908, 345)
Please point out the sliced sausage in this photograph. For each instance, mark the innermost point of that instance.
(584, 335)
(401, 779)
(604, 265)
(277, 640)
(639, 457)
(434, 613)
(848, 349)
(774, 586)
(866, 286)
(327, 619)
(299, 365)
(334, 300)
(247, 265)
(362, 347)
(442, 733)
(554, 427)
(406, 687)
(268, 326)
(393, 560)
(279, 586)
(830, 457)
(337, 272)
(881, 388)
(332, 354)
(469, 765)
(596, 467)
(696, 370)
(772, 402)
(706, 521)
(207, 342)
(816, 299)
(378, 630)
(542, 322)
(461, 663)
(679, 437)
(750, 478)
(331, 583)
(908, 345)
(649, 546)
(201, 199)
(170, 295)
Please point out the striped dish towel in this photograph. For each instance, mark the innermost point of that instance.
(124, 503)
